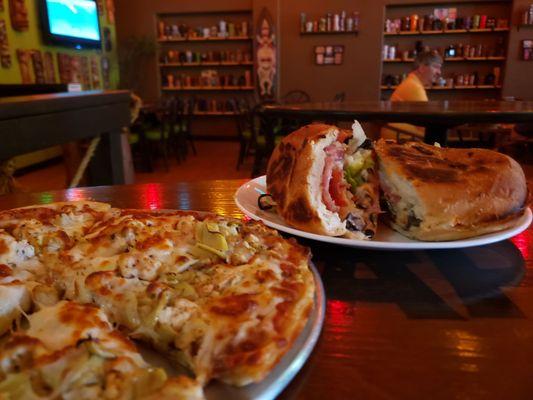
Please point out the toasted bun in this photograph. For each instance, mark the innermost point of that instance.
(447, 194)
(294, 175)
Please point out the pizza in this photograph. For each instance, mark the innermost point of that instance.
(71, 350)
(222, 297)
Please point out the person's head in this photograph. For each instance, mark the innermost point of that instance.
(427, 66)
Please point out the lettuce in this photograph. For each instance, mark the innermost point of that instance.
(354, 168)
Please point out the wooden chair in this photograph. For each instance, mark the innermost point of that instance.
(296, 97)
(184, 114)
(154, 134)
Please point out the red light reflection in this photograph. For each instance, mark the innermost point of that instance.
(75, 195)
(524, 242)
(151, 196)
(339, 314)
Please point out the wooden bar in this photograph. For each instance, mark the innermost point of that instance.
(29, 123)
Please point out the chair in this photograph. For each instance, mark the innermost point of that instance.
(488, 136)
(185, 111)
(339, 97)
(402, 132)
(154, 132)
(245, 130)
(519, 143)
(251, 128)
(296, 97)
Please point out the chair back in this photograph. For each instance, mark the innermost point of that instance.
(339, 97)
(296, 97)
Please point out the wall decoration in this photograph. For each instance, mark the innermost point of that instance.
(5, 56)
(107, 40)
(49, 71)
(63, 63)
(527, 50)
(329, 55)
(100, 6)
(1, 5)
(110, 10)
(85, 72)
(19, 15)
(95, 73)
(75, 69)
(106, 72)
(266, 55)
(24, 59)
(38, 68)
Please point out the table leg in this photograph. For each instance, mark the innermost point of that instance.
(107, 164)
(436, 133)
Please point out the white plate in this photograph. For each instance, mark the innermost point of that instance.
(386, 238)
(283, 372)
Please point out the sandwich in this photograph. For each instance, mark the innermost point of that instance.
(439, 194)
(323, 181)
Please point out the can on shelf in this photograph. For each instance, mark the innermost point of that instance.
(413, 22)
(475, 21)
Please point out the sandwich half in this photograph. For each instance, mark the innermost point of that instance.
(323, 181)
(439, 194)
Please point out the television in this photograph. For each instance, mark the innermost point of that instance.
(72, 23)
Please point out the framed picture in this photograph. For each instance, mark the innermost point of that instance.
(527, 50)
(329, 55)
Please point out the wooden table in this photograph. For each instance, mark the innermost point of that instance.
(29, 123)
(454, 324)
(436, 116)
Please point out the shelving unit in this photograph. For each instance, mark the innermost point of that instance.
(330, 33)
(208, 64)
(444, 32)
(464, 87)
(230, 57)
(205, 39)
(210, 88)
(454, 59)
(492, 43)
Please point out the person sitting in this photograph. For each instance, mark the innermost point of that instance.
(427, 70)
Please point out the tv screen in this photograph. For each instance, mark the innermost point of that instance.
(71, 22)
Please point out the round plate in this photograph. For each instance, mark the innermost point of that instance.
(287, 368)
(386, 238)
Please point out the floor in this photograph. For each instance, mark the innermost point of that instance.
(215, 160)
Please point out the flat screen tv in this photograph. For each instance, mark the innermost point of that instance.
(72, 23)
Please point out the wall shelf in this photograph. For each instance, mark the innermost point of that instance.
(474, 87)
(454, 59)
(204, 39)
(330, 33)
(207, 64)
(215, 113)
(444, 32)
(204, 88)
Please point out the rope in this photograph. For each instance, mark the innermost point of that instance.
(84, 162)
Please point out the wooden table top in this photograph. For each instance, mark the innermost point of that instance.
(447, 112)
(447, 324)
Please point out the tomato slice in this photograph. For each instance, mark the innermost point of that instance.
(337, 188)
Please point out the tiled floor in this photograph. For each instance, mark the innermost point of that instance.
(215, 160)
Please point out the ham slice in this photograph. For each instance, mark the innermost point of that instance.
(333, 186)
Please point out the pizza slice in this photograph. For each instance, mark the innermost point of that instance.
(50, 228)
(71, 351)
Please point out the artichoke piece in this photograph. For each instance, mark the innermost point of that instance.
(150, 381)
(209, 238)
(18, 386)
(97, 349)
